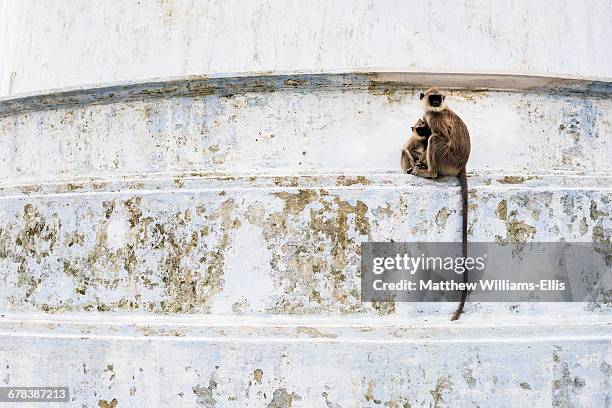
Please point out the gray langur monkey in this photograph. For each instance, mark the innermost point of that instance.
(447, 153)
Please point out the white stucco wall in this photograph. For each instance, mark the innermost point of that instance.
(69, 43)
(196, 242)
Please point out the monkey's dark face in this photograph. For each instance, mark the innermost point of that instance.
(422, 131)
(435, 100)
(421, 128)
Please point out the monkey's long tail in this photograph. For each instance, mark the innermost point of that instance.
(464, 207)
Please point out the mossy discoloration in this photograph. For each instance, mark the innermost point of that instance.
(128, 248)
(190, 289)
(295, 82)
(502, 210)
(31, 189)
(258, 375)
(595, 213)
(172, 255)
(283, 399)
(579, 122)
(389, 90)
(369, 394)
(205, 396)
(468, 376)
(519, 231)
(472, 95)
(336, 229)
(71, 187)
(442, 217)
(292, 181)
(295, 203)
(384, 308)
(134, 211)
(74, 238)
(39, 236)
(314, 242)
(515, 179)
(107, 404)
(603, 245)
(352, 180)
(314, 333)
(520, 215)
(564, 385)
(443, 385)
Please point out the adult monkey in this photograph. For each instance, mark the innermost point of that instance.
(447, 154)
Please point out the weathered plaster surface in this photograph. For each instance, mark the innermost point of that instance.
(57, 44)
(199, 246)
(181, 247)
(315, 128)
(292, 371)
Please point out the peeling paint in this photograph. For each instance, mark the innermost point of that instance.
(220, 133)
(314, 333)
(369, 395)
(107, 404)
(205, 396)
(168, 252)
(282, 399)
(443, 385)
(258, 375)
(515, 179)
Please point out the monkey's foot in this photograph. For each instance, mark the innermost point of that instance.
(424, 173)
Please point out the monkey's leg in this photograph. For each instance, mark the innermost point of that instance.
(424, 173)
(422, 164)
(407, 161)
(435, 149)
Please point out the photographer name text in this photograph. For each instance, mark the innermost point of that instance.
(493, 285)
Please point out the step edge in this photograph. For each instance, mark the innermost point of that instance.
(189, 182)
(236, 82)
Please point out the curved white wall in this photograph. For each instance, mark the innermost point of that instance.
(48, 45)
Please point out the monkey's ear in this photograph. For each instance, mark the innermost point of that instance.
(422, 95)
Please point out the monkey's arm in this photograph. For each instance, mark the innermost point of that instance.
(420, 157)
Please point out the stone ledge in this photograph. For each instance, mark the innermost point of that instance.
(163, 369)
(231, 83)
(191, 249)
(566, 322)
(211, 181)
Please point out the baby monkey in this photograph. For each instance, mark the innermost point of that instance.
(414, 152)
